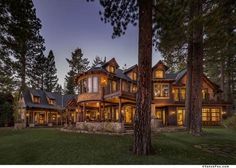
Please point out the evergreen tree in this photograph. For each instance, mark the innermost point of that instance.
(220, 48)
(7, 82)
(37, 76)
(58, 89)
(22, 39)
(50, 78)
(98, 60)
(77, 65)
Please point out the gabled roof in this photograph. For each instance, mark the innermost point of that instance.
(61, 100)
(130, 68)
(160, 63)
(111, 61)
(49, 95)
(180, 75)
(119, 73)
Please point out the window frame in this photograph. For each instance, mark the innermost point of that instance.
(161, 93)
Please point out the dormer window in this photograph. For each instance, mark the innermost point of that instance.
(111, 69)
(159, 74)
(51, 101)
(36, 99)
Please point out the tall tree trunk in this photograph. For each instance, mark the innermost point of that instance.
(142, 127)
(189, 72)
(222, 78)
(189, 84)
(195, 60)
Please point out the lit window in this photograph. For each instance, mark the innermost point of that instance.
(133, 88)
(90, 85)
(134, 76)
(159, 74)
(205, 94)
(111, 69)
(95, 84)
(51, 101)
(215, 114)
(36, 99)
(176, 94)
(182, 93)
(206, 115)
(161, 90)
(113, 86)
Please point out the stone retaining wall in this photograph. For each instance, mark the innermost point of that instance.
(115, 127)
(19, 125)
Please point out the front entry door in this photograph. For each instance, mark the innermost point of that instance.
(180, 116)
(128, 115)
(41, 119)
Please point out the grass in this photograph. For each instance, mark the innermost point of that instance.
(51, 146)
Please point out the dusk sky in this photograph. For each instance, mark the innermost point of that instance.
(71, 24)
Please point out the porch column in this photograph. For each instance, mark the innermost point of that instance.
(120, 114)
(57, 118)
(84, 112)
(33, 117)
(103, 111)
(110, 113)
(49, 118)
(100, 111)
(45, 117)
(74, 116)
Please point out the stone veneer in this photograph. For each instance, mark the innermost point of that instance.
(115, 127)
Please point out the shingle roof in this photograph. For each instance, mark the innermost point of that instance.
(120, 74)
(130, 68)
(60, 100)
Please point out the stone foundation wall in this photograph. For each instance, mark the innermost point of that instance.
(156, 124)
(115, 127)
(19, 125)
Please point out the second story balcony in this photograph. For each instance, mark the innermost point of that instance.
(120, 88)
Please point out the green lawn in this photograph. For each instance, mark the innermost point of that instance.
(51, 146)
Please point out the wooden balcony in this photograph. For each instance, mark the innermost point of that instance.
(120, 93)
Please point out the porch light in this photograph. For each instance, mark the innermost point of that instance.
(223, 112)
(103, 81)
(27, 114)
(172, 112)
(97, 104)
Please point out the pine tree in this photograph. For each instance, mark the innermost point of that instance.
(98, 60)
(22, 38)
(37, 76)
(58, 89)
(7, 82)
(50, 78)
(77, 65)
(220, 46)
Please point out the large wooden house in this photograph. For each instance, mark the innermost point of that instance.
(108, 93)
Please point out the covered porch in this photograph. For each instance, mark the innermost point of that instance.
(111, 110)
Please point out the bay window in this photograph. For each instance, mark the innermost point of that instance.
(161, 90)
(89, 85)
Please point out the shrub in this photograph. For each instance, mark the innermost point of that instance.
(230, 122)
